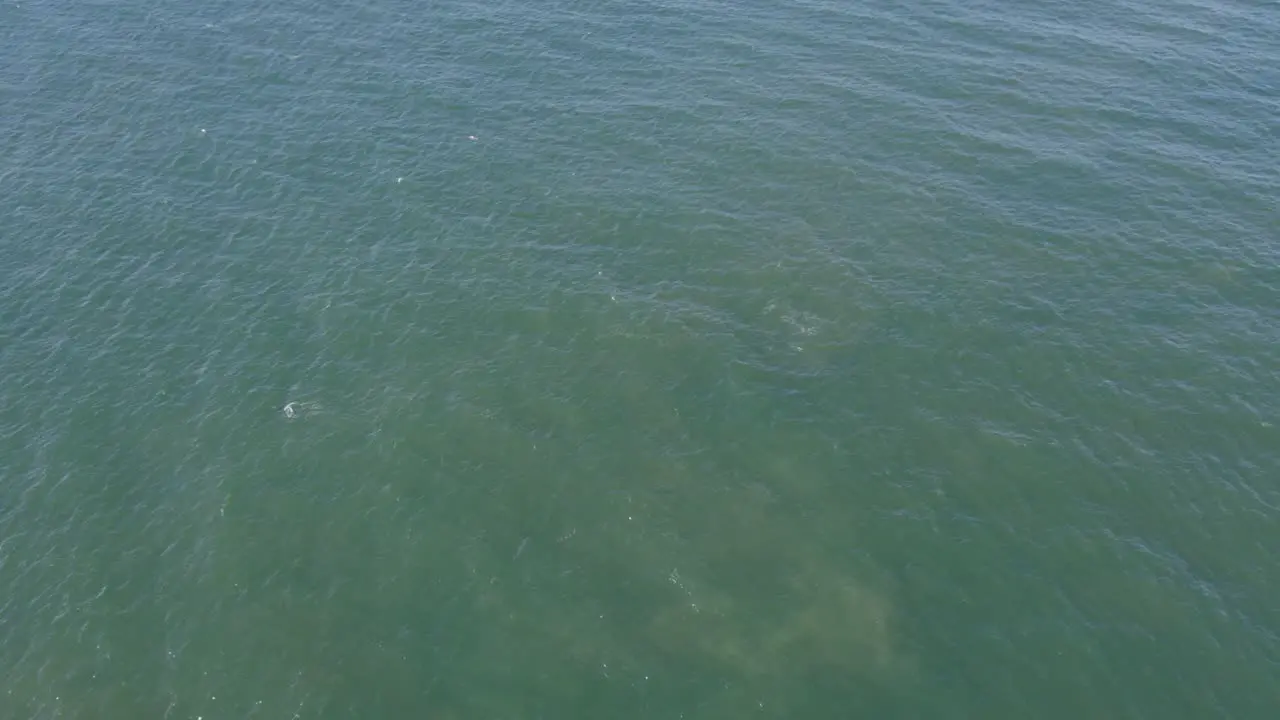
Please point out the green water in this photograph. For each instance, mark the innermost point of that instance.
(680, 360)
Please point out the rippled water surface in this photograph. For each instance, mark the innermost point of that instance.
(594, 359)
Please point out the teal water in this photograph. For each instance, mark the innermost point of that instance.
(525, 360)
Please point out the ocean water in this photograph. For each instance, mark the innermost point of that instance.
(680, 360)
